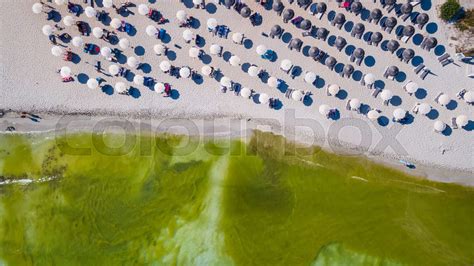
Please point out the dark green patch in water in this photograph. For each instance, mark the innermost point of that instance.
(221, 204)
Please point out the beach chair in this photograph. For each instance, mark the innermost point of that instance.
(414, 2)
(460, 94)
(437, 97)
(359, 61)
(415, 108)
(385, 73)
(447, 62)
(443, 57)
(362, 81)
(327, 91)
(348, 105)
(320, 15)
(423, 75)
(376, 92)
(454, 125)
(418, 68)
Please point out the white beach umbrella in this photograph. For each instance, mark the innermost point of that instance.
(188, 35)
(310, 77)
(120, 87)
(324, 109)
(47, 30)
(245, 92)
(143, 9)
(334, 89)
(198, 2)
(263, 98)
(234, 60)
(159, 88)
(159, 49)
(237, 37)
(411, 87)
(286, 64)
(399, 113)
(77, 41)
(107, 3)
(97, 32)
(226, 82)
(355, 104)
(68, 21)
(211, 23)
(444, 99)
(297, 95)
(151, 30)
(206, 70)
(261, 49)
(92, 84)
(215, 49)
(90, 12)
(185, 72)
(469, 97)
(105, 51)
(59, 2)
(373, 115)
(114, 69)
(193, 52)
(165, 66)
(439, 126)
(462, 120)
(37, 8)
(424, 108)
(138, 80)
(181, 15)
(124, 43)
(57, 51)
(253, 71)
(115, 23)
(132, 62)
(386, 95)
(369, 79)
(272, 82)
(65, 72)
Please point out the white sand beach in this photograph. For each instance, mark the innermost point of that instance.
(29, 82)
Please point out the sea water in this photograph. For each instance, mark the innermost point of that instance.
(83, 199)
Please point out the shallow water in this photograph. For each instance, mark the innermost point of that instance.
(171, 200)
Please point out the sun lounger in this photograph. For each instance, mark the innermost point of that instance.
(390, 8)
(320, 15)
(405, 39)
(437, 97)
(415, 108)
(327, 90)
(348, 105)
(414, 2)
(423, 75)
(447, 62)
(385, 73)
(370, 86)
(358, 61)
(404, 17)
(362, 81)
(460, 94)
(443, 57)
(418, 68)
(454, 125)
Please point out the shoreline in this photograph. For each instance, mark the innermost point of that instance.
(222, 127)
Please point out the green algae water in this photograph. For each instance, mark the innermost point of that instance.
(171, 200)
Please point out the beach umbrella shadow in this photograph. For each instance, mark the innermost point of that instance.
(369, 61)
(82, 78)
(211, 8)
(171, 55)
(452, 105)
(421, 93)
(107, 89)
(396, 100)
(433, 114)
(383, 121)
(188, 3)
(134, 92)
(139, 50)
(146, 68)
(342, 94)
(320, 82)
